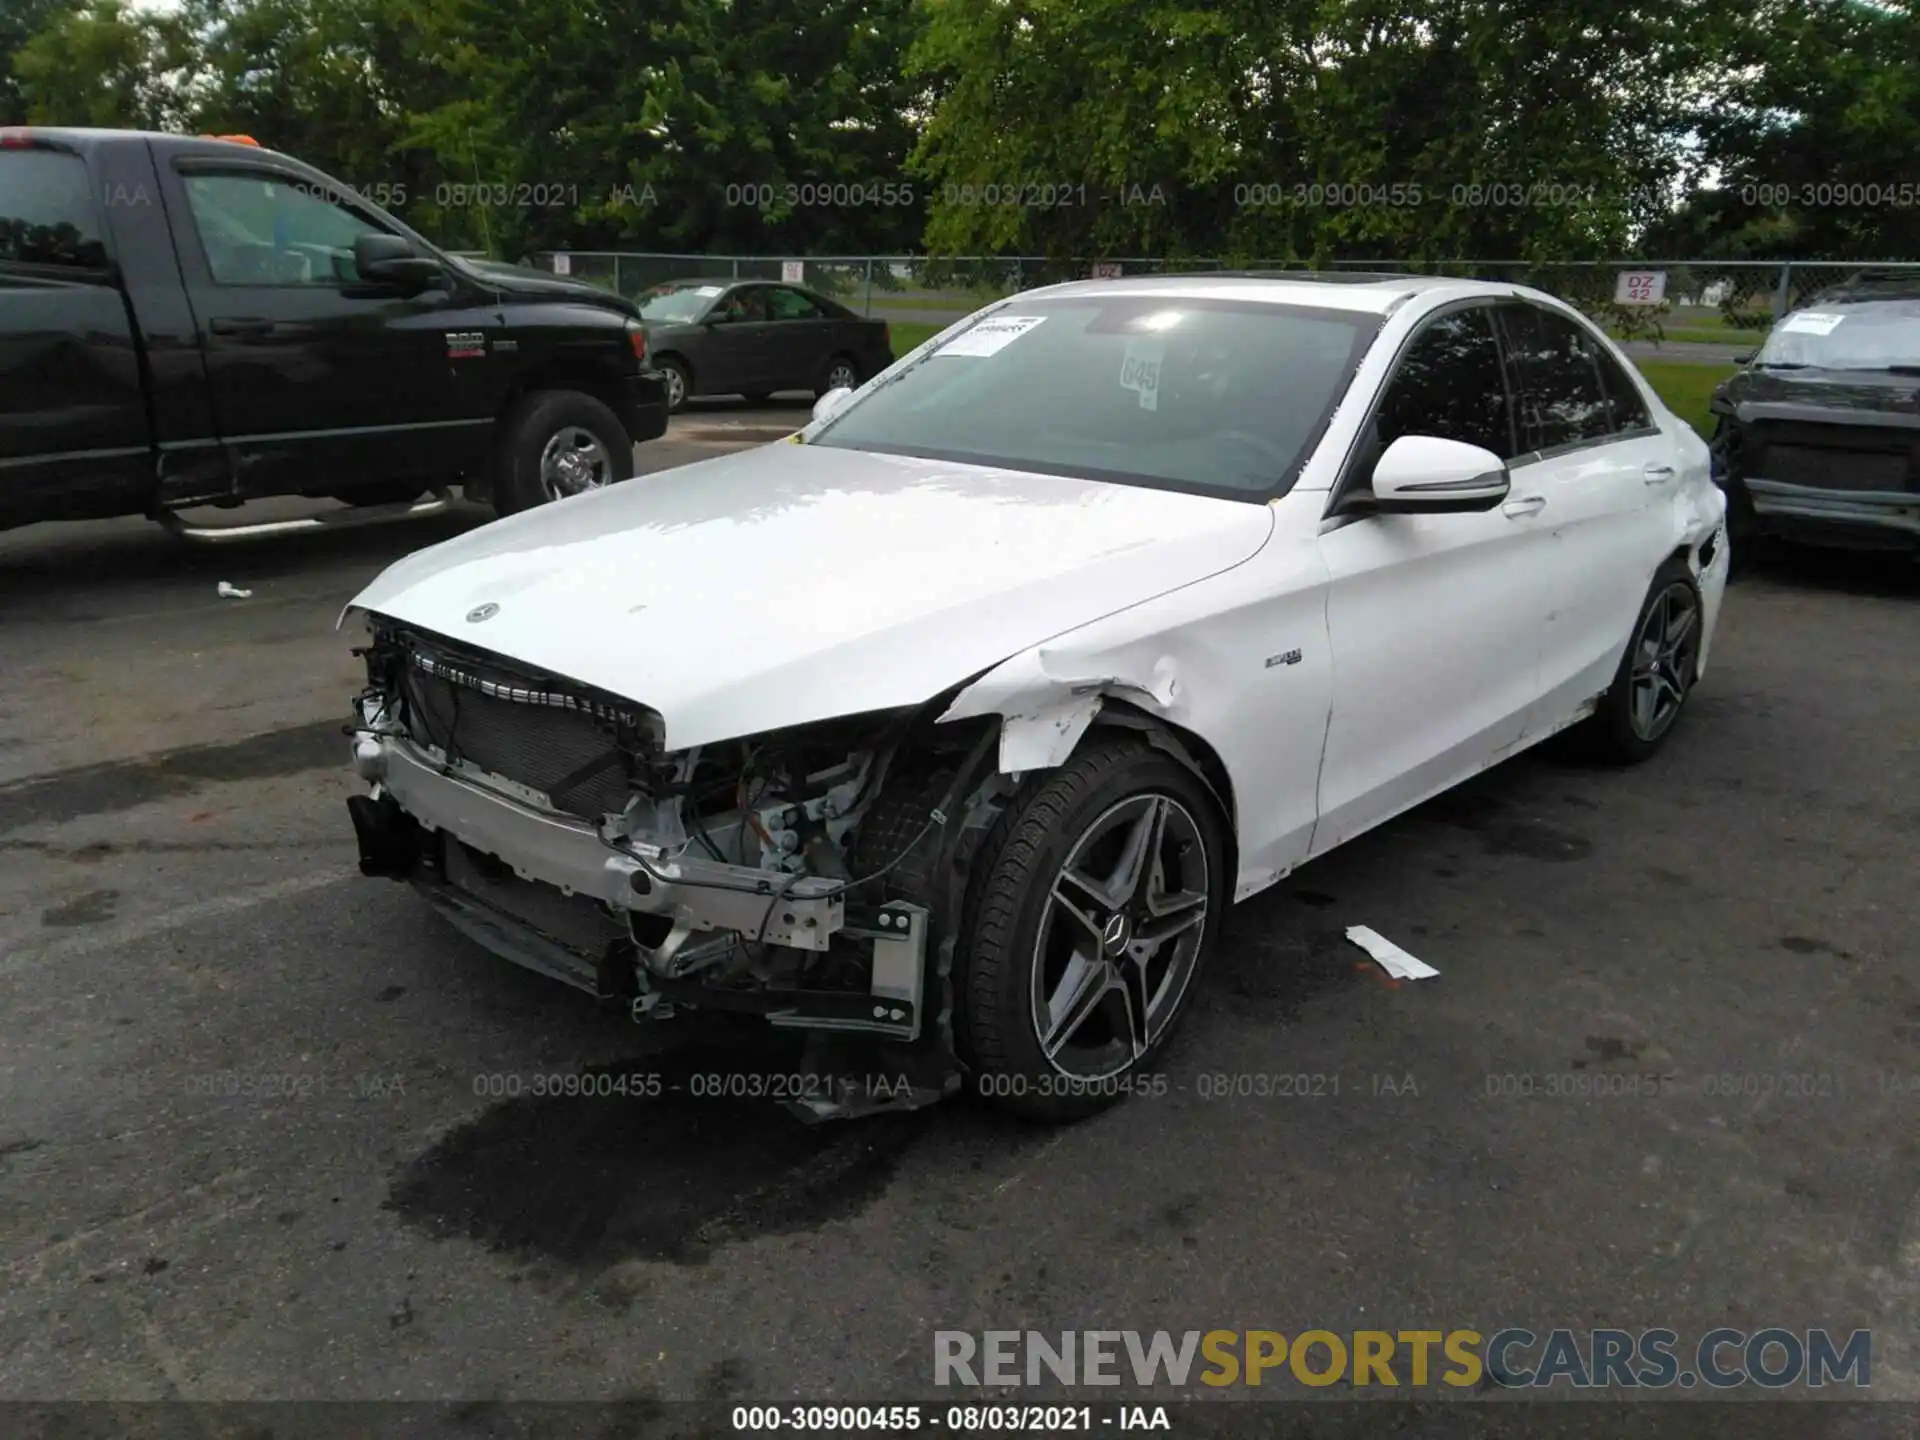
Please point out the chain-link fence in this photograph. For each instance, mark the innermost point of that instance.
(1726, 303)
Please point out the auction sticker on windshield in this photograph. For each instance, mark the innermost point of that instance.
(1814, 322)
(1140, 368)
(991, 335)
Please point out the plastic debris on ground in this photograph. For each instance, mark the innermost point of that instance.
(1395, 961)
(233, 592)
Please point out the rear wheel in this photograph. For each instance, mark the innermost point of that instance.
(558, 443)
(1092, 906)
(841, 373)
(1656, 674)
(679, 382)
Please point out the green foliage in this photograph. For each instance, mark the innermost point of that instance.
(1298, 130)
(1813, 125)
(20, 21)
(686, 125)
(1687, 389)
(103, 64)
(1286, 131)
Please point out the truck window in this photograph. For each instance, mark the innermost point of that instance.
(268, 230)
(47, 214)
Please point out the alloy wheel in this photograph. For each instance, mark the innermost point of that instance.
(1120, 938)
(842, 376)
(1664, 658)
(572, 461)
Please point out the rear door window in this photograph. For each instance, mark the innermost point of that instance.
(1557, 377)
(785, 304)
(1623, 396)
(47, 211)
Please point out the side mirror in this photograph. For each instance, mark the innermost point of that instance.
(1744, 357)
(831, 403)
(1421, 474)
(392, 260)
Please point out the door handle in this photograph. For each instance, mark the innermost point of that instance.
(241, 325)
(1525, 505)
(1658, 474)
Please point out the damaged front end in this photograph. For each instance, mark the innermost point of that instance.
(801, 876)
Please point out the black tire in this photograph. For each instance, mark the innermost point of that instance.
(837, 364)
(1010, 900)
(382, 492)
(1619, 732)
(539, 420)
(679, 382)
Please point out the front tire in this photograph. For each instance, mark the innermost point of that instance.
(558, 443)
(1092, 906)
(1657, 673)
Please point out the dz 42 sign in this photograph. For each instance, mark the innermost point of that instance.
(1640, 287)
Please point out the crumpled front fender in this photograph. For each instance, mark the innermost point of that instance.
(1046, 701)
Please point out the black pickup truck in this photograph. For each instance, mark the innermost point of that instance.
(199, 321)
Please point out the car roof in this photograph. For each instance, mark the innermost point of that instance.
(1371, 292)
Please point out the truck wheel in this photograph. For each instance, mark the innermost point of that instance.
(558, 443)
(1092, 905)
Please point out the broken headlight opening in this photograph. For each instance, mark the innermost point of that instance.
(788, 875)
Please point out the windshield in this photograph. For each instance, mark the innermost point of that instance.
(677, 302)
(1221, 397)
(1873, 336)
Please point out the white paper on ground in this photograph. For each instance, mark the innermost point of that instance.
(991, 335)
(1395, 961)
(233, 592)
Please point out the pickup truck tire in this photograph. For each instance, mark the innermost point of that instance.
(557, 443)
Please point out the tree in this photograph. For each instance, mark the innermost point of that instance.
(20, 21)
(1296, 129)
(103, 64)
(1813, 132)
(684, 124)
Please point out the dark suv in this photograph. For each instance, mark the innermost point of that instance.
(1818, 437)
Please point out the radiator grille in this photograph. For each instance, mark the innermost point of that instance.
(1832, 457)
(535, 733)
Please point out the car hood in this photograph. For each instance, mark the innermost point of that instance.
(792, 583)
(1850, 396)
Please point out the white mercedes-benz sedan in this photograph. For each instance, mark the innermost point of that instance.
(944, 731)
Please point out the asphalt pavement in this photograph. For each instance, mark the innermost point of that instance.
(268, 1129)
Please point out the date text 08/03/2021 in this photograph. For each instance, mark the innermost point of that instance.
(948, 1419)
